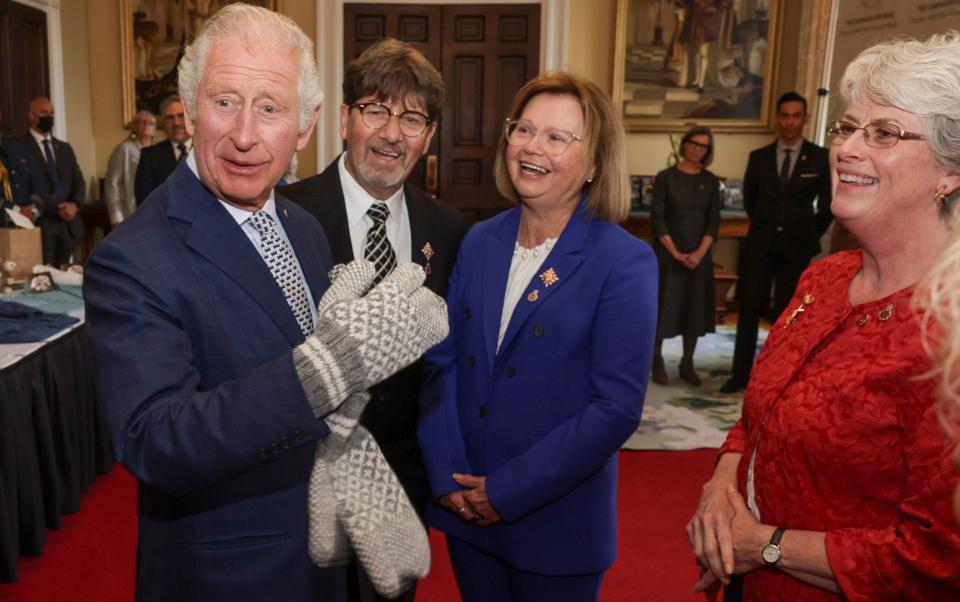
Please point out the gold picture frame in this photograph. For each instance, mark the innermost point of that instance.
(706, 62)
(153, 34)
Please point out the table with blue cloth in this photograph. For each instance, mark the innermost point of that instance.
(53, 438)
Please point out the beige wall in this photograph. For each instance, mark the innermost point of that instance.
(92, 64)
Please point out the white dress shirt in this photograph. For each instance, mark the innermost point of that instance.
(359, 200)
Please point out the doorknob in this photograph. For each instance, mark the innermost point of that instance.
(432, 175)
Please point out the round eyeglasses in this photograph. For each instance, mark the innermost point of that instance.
(878, 135)
(553, 141)
(376, 115)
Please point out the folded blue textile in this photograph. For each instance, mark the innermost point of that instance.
(23, 324)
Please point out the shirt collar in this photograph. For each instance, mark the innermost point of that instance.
(188, 143)
(358, 200)
(781, 147)
(238, 214)
(40, 137)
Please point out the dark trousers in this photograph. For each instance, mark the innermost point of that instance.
(483, 577)
(57, 242)
(758, 274)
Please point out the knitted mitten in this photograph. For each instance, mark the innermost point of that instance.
(362, 339)
(327, 541)
(372, 506)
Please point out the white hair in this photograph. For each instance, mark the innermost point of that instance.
(252, 24)
(922, 78)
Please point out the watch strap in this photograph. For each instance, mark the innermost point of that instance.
(777, 534)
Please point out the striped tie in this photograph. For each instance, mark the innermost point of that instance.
(285, 268)
(378, 250)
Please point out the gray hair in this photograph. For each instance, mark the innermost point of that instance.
(252, 24)
(922, 78)
(141, 116)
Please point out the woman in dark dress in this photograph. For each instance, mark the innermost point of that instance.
(685, 217)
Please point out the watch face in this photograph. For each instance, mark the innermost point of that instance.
(770, 553)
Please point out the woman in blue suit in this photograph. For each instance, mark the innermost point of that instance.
(552, 314)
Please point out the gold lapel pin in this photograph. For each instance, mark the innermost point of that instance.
(549, 277)
(533, 296)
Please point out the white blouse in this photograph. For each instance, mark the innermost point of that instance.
(523, 267)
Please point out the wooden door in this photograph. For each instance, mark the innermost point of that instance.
(24, 68)
(485, 52)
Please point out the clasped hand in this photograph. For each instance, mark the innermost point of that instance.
(725, 536)
(471, 503)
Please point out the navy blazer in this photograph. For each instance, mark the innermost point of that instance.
(157, 162)
(71, 178)
(542, 418)
(191, 340)
(771, 207)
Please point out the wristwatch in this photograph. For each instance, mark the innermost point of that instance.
(771, 552)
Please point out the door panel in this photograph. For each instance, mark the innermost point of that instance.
(485, 53)
(24, 71)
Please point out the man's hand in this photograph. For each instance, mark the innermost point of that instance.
(27, 211)
(67, 210)
(476, 499)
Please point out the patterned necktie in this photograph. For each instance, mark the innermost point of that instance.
(378, 249)
(785, 167)
(285, 268)
(183, 151)
(58, 194)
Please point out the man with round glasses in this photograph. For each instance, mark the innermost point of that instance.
(780, 186)
(392, 96)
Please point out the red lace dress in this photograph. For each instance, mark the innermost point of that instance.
(846, 441)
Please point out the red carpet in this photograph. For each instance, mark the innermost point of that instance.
(92, 557)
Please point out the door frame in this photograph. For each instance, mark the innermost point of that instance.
(55, 60)
(554, 16)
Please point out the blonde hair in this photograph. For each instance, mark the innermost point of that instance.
(604, 143)
(251, 24)
(938, 297)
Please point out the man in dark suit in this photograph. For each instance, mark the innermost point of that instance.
(63, 191)
(781, 185)
(158, 161)
(217, 370)
(392, 95)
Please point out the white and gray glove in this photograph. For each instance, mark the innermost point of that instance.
(373, 514)
(361, 339)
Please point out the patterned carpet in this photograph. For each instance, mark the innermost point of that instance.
(678, 416)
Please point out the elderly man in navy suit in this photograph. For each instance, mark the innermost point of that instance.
(218, 370)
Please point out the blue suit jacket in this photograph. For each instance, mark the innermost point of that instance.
(543, 418)
(192, 339)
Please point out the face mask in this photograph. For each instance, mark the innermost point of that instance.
(45, 124)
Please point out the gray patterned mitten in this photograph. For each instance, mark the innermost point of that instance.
(371, 507)
(362, 339)
(327, 541)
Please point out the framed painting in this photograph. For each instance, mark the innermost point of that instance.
(709, 62)
(153, 34)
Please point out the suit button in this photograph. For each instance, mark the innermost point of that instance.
(482, 411)
(538, 330)
(263, 454)
(466, 314)
(510, 371)
(275, 449)
(297, 435)
(471, 361)
(285, 442)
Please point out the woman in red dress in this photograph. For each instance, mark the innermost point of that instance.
(835, 484)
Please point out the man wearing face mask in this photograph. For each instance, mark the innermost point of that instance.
(63, 190)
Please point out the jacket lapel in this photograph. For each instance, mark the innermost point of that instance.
(216, 236)
(38, 159)
(418, 227)
(497, 254)
(331, 211)
(556, 272)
